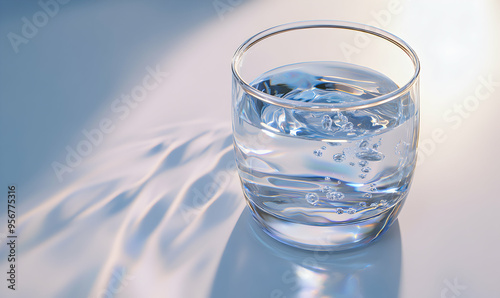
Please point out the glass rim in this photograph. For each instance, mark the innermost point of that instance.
(333, 24)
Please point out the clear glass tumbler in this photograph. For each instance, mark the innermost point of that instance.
(325, 124)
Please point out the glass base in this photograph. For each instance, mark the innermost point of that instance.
(335, 237)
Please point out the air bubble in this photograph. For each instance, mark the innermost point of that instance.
(366, 169)
(333, 144)
(327, 178)
(351, 210)
(362, 204)
(340, 211)
(363, 163)
(377, 144)
(334, 195)
(373, 205)
(339, 157)
(383, 202)
(318, 153)
(340, 120)
(370, 154)
(312, 198)
(326, 122)
(373, 187)
(362, 176)
(367, 195)
(323, 148)
(364, 144)
(402, 148)
(351, 164)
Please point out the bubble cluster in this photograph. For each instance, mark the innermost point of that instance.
(364, 144)
(373, 187)
(362, 176)
(340, 211)
(318, 153)
(312, 198)
(352, 164)
(334, 195)
(339, 157)
(351, 210)
(326, 122)
(370, 154)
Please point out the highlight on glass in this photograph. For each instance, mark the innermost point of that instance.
(325, 122)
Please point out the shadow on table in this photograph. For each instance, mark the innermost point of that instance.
(255, 265)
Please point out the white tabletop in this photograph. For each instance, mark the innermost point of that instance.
(154, 208)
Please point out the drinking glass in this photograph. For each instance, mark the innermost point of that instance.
(325, 121)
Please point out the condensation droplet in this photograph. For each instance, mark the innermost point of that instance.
(326, 122)
(351, 210)
(339, 157)
(318, 153)
(312, 198)
(362, 176)
(334, 195)
(366, 169)
(340, 211)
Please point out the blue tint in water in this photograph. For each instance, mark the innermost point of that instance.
(277, 151)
